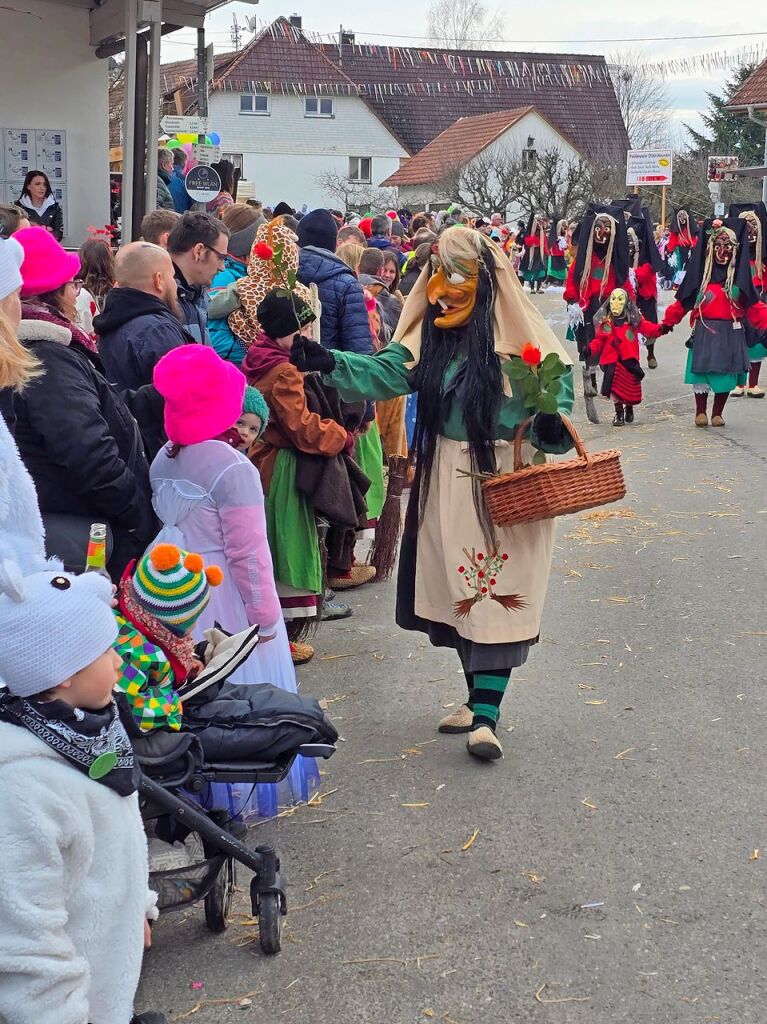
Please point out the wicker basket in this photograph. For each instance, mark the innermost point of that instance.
(554, 488)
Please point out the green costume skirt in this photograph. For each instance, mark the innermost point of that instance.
(718, 382)
(291, 529)
(369, 457)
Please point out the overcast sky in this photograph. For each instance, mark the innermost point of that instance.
(572, 24)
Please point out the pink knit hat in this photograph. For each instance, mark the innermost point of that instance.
(203, 393)
(47, 265)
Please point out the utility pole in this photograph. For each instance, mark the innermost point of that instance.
(202, 82)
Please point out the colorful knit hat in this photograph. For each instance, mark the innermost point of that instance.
(255, 403)
(174, 587)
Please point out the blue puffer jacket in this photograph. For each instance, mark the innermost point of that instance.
(344, 324)
(227, 344)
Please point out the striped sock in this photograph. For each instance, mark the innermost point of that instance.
(470, 687)
(489, 688)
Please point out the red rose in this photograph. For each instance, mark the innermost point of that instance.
(461, 568)
(263, 251)
(505, 558)
(481, 575)
(480, 556)
(484, 590)
(531, 355)
(492, 583)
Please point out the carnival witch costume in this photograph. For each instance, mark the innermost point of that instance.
(532, 267)
(682, 239)
(755, 216)
(601, 264)
(557, 249)
(618, 324)
(466, 584)
(718, 292)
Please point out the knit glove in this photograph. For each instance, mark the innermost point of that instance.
(308, 355)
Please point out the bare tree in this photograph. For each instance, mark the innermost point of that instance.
(463, 24)
(550, 182)
(354, 195)
(643, 99)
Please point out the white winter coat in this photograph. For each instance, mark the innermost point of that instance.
(73, 890)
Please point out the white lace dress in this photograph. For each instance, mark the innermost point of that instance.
(209, 500)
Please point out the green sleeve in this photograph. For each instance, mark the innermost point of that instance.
(565, 400)
(376, 378)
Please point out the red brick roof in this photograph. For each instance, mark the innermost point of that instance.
(419, 93)
(753, 91)
(455, 147)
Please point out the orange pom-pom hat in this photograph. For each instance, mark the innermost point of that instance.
(174, 586)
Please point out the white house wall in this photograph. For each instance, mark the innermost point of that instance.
(51, 78)
(284, 152)
(514, 140)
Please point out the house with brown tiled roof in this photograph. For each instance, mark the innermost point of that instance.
(753, 92)
(294, 114)
(484, 143)
(291, 120)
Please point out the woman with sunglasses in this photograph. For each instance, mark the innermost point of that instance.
(75, 434)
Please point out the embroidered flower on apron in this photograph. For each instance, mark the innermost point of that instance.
(481, 575)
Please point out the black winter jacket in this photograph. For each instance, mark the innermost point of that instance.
(51, 217)
(77, 438)
(135, 330)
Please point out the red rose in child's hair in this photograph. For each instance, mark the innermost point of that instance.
(263, 251)
(531, 355)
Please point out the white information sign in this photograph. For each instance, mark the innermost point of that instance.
(206, 154)
(649, 166)
(172, 125)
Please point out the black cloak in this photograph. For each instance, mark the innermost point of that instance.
(761, 212)
(687, 292)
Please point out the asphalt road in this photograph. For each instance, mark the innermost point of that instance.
(618, 866)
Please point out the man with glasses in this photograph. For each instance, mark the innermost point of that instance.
(198, 247)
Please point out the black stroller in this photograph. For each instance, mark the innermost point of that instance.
(245, 734)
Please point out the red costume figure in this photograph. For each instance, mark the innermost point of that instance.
(681, 241)
(618, 324)
(719, 294)
(532, 267)
(601, 265)
(755, 216)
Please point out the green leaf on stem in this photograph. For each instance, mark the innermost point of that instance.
(547, 402)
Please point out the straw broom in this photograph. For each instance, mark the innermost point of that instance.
(384, 553)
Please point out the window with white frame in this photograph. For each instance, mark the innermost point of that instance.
(234, 158)
(360, 169)
(255, 103)
(318, 106)
(529, 155)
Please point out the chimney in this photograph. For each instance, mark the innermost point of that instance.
(295, 20)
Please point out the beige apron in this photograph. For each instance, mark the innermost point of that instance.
(489, 597)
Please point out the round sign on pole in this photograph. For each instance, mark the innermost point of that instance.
(202, 184)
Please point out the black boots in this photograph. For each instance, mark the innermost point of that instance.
(629, 413)
(618, 419)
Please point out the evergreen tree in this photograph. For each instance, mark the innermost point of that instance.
(726, 133)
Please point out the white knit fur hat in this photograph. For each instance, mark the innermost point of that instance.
(11, 258)
(52, 624)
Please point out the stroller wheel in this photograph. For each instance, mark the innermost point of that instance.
(218, 902)
(270, 922)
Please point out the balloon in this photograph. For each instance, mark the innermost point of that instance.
(207, 141)
(190, 160)
(173, 144)
(215, 139)
(186, 137)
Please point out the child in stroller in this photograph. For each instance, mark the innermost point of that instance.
(73, 894)
(221, 734)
